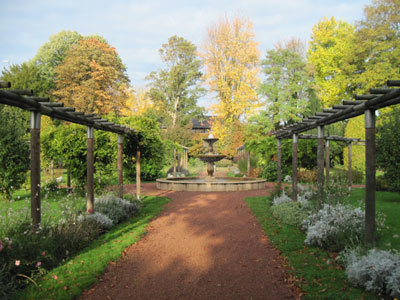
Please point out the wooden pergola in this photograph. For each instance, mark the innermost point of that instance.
(39, 106)
(363, 104)
(348, 141)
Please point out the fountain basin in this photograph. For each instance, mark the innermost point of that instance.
(217, 184)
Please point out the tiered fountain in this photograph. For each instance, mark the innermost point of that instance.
(210, 158)
(210, 183)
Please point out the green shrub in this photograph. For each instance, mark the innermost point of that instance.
(291, 213)
(242, 164)
(269, 171)
(14, 149)
(388, 148)
(381, 184)
(51, 186)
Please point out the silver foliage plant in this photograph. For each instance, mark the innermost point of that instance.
(377, 271)
(334, 226)
(102, 220)
(115, 208)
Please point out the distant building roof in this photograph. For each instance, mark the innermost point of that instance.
(203, 124)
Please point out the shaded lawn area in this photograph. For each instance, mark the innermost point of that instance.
(312, 269)
(389, 204)
(70, 279)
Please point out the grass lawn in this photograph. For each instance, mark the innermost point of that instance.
(312, 269)
(389, 204)
(79, 273)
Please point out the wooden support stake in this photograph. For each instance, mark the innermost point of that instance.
(294, 167)
(320, 165)
(69, 189)
(174, 174)
(138, 179)
(35, 169)
(327, 162)
(350, 168)
(120, 166)
(248, 164)
(370, 180)
(90, 170)
(279, 162)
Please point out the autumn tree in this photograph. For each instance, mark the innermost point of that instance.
(287, 87)
(378, 44)
(330, 57)
(138, 102)
(174, 89)
(231, 58)
(92, 78)
(50, 55)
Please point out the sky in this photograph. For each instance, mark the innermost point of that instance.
(137, 29)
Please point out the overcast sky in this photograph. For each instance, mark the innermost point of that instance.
(137, 29)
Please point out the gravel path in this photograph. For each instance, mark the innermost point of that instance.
(202, 246)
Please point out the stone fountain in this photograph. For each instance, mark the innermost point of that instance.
(211, 157)
(210, 183)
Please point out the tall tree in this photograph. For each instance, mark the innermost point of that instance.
(287, 87)
(231, 58)
(51, 54)
(24, 76)
(175, 89)
(330, 55)
(378, 44)
(92, 78)
(138, 102)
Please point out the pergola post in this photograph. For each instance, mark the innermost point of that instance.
(248, 164)
(90, 170)
(370, 180)
(120, 142)
(138, 178)
(35, 168)
(327, 162)
(350, 170)
(320, 165)
(294, 166)
(174, 167)
(279, 162)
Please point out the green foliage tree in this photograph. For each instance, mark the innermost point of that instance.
(52, 54)
(388, 148)
(287, 86)
(378, 44)
(14, 149)
(147, 139)
(330, 57)
(175, 89)
(24, 76)
(92, 78)
(67, 144)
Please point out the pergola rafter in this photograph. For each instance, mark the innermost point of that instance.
(363, 104)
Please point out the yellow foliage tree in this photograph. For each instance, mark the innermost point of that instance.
(138, 103)
(231, 58)
(330, 60)
(355, 129)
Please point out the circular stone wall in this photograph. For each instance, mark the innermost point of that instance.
(219, 184)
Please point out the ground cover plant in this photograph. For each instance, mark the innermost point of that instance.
(313, 269)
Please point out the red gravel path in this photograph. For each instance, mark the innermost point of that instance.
(202, 246)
